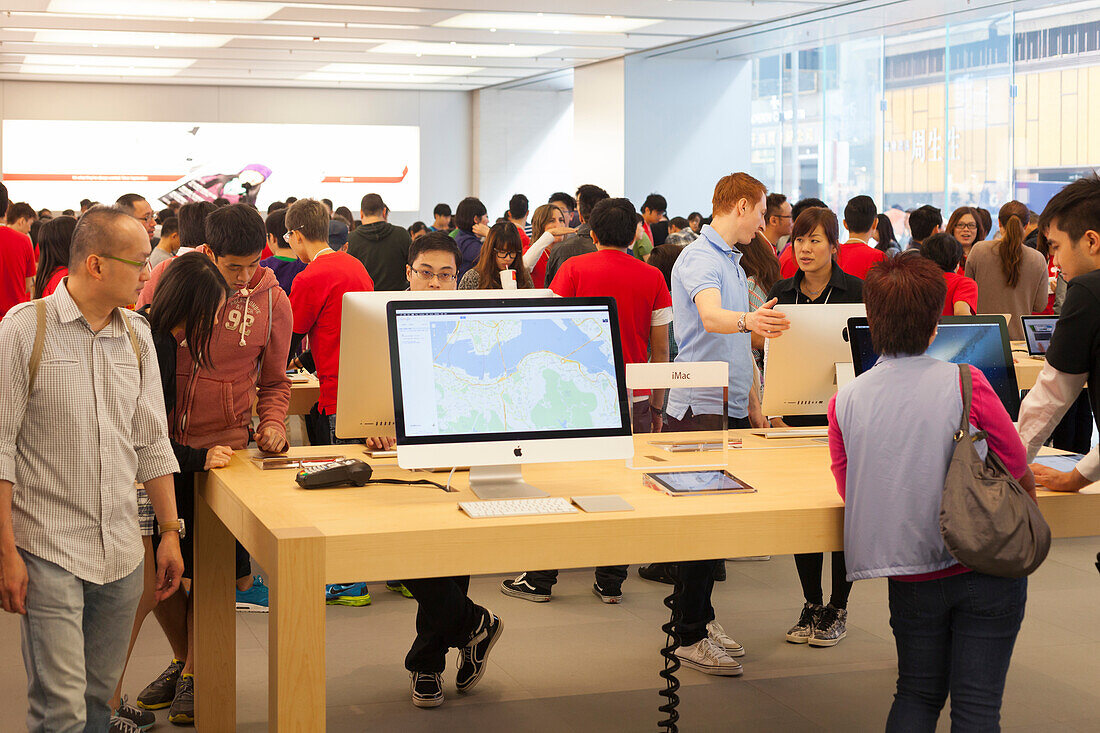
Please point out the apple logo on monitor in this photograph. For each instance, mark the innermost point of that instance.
(518, 451)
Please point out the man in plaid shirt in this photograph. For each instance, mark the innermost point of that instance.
(76, 431)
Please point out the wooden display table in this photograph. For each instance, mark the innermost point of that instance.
(304, 392)
(305, 539)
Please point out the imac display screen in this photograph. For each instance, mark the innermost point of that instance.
(975, 340)
(533, 368)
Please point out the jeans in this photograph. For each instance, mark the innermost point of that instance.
(954, 635)
(75, 635)
(446, 618)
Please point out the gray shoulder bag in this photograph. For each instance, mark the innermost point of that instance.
(988, 522)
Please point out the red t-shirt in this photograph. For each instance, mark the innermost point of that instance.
(316, 299)
(960, 288)
(787, 266)
(638, 290)
(856, 258)
(17, 263)
(55, 279)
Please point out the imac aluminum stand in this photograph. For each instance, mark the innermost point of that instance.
(502, 482)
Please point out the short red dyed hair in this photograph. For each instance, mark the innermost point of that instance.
(734, 187)
(904, 298)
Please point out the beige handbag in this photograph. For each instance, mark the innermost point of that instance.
(988, 522)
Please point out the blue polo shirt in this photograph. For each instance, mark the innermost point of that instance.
(709, 262)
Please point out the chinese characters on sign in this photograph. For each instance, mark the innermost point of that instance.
(927, 145)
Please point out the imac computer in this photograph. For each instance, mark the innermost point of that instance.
(493, 384)
(980, 341)
(1038, 331)
(364, 401)
(801, 365)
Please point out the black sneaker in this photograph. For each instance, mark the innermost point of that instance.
(831, 626)
(183, 706)
(143, 719)
(656, 572)
(608, 594)
(473, 656)
(427, 689)
(161, 691)
(122, 725)
(522, 588)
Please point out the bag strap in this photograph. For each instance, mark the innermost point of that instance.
(967, 397)
(133, 338)
(39, 342)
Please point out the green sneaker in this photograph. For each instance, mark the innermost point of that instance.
(347, 594)
(397, 587)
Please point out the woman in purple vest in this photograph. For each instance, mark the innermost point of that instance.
(890, 436)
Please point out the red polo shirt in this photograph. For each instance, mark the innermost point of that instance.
(856, 258)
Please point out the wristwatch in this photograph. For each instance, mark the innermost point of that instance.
(741, 327)
(174, 526)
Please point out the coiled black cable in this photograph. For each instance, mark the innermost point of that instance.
(672, 662)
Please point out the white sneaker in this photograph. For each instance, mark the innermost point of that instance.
(719, 636)
(709, 658)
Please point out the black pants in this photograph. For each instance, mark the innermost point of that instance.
(185, 510)
(697, 576)
(1074, 432)
(446, 618)
(608, 577)
(810, 566)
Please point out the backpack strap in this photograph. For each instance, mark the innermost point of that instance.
(133, 338)
(39, 342)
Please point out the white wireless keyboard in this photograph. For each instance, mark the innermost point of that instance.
(517, 507)
(822, 432)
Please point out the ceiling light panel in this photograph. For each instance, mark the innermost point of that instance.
(66, 61)
(418, 48)
(129, 38)
(397, 69)
(375, 78)
(197, 9)
(547, 22)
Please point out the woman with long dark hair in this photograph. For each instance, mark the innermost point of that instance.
(501, 251)
(54, 238)
(883, 234)
(966, 226)
(184, 310)
(1012, 278)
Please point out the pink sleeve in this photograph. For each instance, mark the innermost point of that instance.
(988, 414)
(836, 450)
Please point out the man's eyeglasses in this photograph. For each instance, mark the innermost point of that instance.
(442, 277)
(135, 263)
(148, 217)
(286, 234)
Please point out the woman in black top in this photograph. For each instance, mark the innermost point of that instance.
(184, 311)
(815, 241)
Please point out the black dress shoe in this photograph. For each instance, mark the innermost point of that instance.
(657, 572)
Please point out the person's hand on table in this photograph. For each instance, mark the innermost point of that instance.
(1052, 479)
(767, 322)
(777, 422)
(271, 440)
(757, 419)
(217, 457)
(169, 565)
(381, 443)
(13, 583)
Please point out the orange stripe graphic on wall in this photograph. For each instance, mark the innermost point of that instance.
(366, 179)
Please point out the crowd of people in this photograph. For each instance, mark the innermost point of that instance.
(164, 337)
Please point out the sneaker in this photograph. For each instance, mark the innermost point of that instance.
(655, 572)
(522, 588)
(831, 626)
(253, 600)
(159, 693)
(427, 688)
(608, 594)
(801, 632)
(347, 594)
(709, 658)
(472, 657)
(397, 587)
(182, 711)
(143, 719)
(719, 636)
(123, 725)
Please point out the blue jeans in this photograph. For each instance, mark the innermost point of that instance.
(954, 635)
(75, 635)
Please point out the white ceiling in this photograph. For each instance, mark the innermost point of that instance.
(407, 44)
